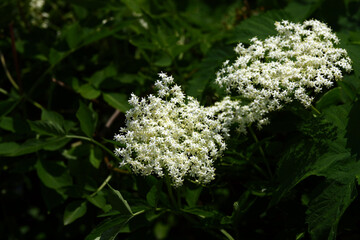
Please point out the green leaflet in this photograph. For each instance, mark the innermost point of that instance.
(87, 118)
(74, 211)
(326, 209)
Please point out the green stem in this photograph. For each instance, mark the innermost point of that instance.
(95, 142)
(171, 195)
(315, 110)
(102, 185)
(223, 231)
(12, 81)
(261, 152)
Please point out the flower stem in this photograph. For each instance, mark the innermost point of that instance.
(171, 195)
(261, 152)
(95, 142)
(102, 186)
(315, 110)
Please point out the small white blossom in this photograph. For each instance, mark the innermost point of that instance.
(282, 68)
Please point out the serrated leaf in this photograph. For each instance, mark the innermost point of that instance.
(117, 100)
(118, 202)
(301, 10)
(354, 54)
(326, 209)
(46, 128)
(87, 118)
(317, 155)
(260, 26)
(207, 70)
(353, 129)
(53, 174)
(330, 98)
(74, 211)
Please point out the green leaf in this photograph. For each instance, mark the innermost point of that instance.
(99, 33)
(51, 197)
(109, 229)
(330, 98)
(200, 212)
(73, 35)
(87, 118)
(7, 123)
(8, 148)
(152, 196)
(56, 56)
(315, 154)
(260, 26)
(53, 117)
(353, 129)
(301, 10)
(192, 195)
(354, 54)
(98, 77)
(136, 5)
(7, 106)
(88, 91)
(46, 128)
(326, 209)
(12, 149)
(207, 70)
(99, 201)
(95, 156)
(117, 100)
(53, 174)
(74, 211)
(163, 60)
(118, 202)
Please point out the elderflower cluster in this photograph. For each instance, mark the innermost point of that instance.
(38, 16)
(171, 134)
(281, 68)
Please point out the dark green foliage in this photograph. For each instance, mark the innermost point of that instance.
(66, 78)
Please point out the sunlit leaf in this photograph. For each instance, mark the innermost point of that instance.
(118, 202)
(117, 100)
(74, 211)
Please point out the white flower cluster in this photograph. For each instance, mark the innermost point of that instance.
(284, 67)
(171, 134)
(38, 16)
